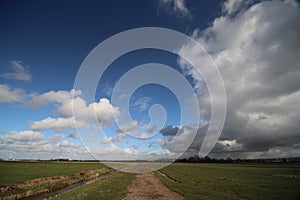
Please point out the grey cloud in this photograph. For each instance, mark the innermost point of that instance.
(257, 52)
(175, 7)
(151, 129)
(20, 71)
(129, 128)
(9, 95)
(73, 136)
(169, 131)
(55, 138)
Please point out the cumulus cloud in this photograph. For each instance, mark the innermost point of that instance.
(70, 104)
(9, 95)
(19, 71)
(33, 145)
(169, 130)
(102, 111)
(117, 138)
(22, 136)
(233, 6)
(55, 138)
(182, 139)
(228, 145)
(130, 128)
(58, 124)
(257, 52)
(60, 96)
(177, 7)
(180, 142)
(85, 114)
(67, 144)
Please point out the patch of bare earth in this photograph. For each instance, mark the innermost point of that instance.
(148, 186)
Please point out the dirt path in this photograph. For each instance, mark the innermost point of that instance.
(148, 186)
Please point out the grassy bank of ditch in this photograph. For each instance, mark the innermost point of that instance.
(24, 179)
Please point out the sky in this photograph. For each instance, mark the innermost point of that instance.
(255, 46)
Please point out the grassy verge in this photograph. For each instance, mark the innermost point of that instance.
(42, 185)
(18, 172)
(112, 188)
(224, 181)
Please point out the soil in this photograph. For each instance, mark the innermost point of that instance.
(147, 186)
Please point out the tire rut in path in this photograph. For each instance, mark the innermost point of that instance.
(147, 186)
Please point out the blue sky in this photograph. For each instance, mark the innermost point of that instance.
(43, 44)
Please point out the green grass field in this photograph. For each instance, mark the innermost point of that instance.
(235, 181)
(113, 188)
(16, 172)
(193, 181)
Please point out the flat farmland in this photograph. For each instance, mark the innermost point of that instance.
(233, 181)
(24, 179)
(189, 181)
(113, 188)
(17, 172)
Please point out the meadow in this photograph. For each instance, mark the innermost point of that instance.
(17, 172)
(113, 188)
(233, 181)
(192, 181)
(24, 179)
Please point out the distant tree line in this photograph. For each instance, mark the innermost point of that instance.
(191, 159)
(197, 159)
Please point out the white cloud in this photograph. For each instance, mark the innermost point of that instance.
(229, 145)
(177, 7)
(127, 150)
(107, 89)
(143, 136)
(67, 144)
(51, 97)
(117, 138)
(22, 136)
(8, 95)
(106, 140)
(178, 139)
(257, 52)
(19, 72)
(33, 145)
(58, 124)
(142, 103)
(102, 111)
(55, 138)
(232, 6)
(130, 128)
